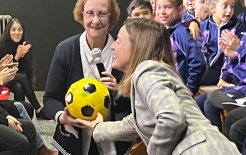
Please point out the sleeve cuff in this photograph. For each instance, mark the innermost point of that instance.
(58, 114)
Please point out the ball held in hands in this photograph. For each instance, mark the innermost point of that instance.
(86, 97)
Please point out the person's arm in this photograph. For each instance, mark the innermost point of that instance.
(3, 115)
(230, 46)
(226, 77)
(9, 120)
(195, 60)
(111, 131)
(65, 69)
(116, 130)
(194, 28)
(56, 84)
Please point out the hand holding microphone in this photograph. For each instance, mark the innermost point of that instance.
(106, 78)
(96, 54)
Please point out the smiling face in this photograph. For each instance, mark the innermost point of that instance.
(121, 50)
(167, 12)
(222, 11)
(96, 27)
(16, 32)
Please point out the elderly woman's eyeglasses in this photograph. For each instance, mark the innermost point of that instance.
(100, 14)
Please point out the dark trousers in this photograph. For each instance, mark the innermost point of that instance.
(235, 126)
(210, 111)
(22, 87)
(9, 106)
(211, 76)
(16, 143)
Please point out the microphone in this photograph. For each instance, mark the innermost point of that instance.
(96, 54)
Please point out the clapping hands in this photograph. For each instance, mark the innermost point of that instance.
(228, 43)
(5, 60)
(8, 69)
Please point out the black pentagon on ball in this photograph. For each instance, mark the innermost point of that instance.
(107, 102)
(87, 111)
(70, 96)
(89, 88)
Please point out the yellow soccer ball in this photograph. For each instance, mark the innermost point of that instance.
(86, 97)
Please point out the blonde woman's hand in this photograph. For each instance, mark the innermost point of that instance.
(110, 82)
(5, 61)
(90, 124)
(22, 50)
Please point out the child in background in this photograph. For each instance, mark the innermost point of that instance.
(201, 10)
(233, 70)
(190, 62)
(189, 11)
(221, 18)
(195, 9)
(201, 13)
(140, 9)
(192, 19)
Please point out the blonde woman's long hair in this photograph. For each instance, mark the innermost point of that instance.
(150, 41)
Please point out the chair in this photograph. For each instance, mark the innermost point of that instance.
(4, 19)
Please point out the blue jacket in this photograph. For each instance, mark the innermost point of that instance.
(188, 15)
(236, 68)
(242, 16)
(190, 61)
(208, 42)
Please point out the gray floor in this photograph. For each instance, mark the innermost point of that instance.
(44, 127)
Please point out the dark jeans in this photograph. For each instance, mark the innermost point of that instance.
(16, 143)
(21, 87)
(210, 111)
(235, 126)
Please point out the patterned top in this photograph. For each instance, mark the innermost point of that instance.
(166, 117)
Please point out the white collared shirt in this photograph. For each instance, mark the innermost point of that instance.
(89, 66)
